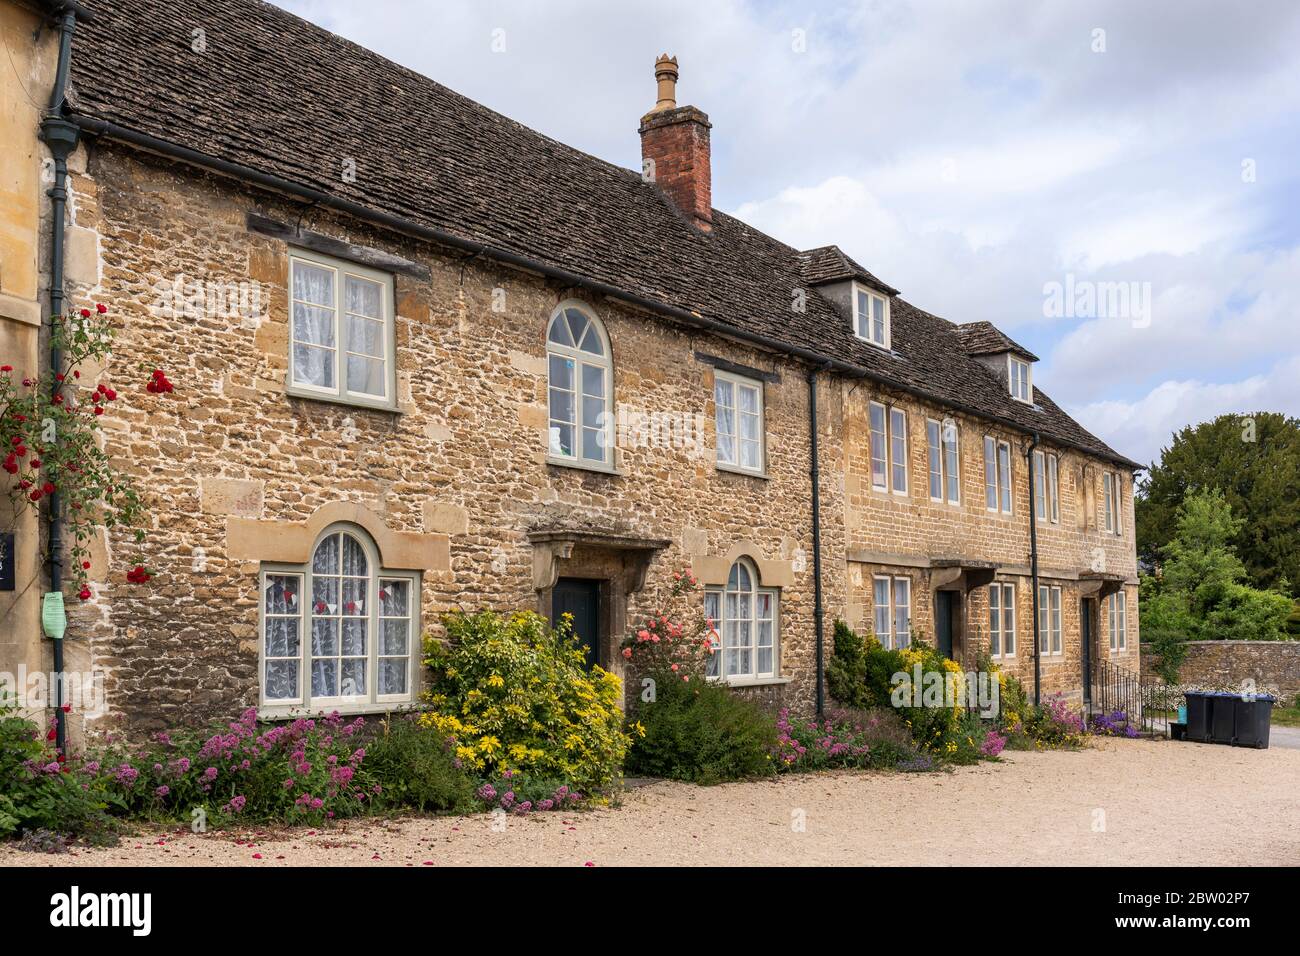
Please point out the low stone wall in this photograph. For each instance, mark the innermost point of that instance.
(1223, 665)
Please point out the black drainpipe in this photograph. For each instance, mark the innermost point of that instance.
(1033, 566)
(61, 138)
(819, 612)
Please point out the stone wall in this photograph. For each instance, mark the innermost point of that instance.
(1274, 666)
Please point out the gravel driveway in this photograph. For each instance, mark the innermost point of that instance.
(1116, 802)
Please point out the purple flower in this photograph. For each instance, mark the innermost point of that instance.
(162, 791)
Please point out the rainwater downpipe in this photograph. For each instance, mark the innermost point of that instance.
(1033, 566)
(819, 611)
(60, 136)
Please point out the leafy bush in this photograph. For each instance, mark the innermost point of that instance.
(700, 732)
(676, 641)
(1052, 725)
(39, 798)
(845, 738)
(416, 767)
(515, 793)
(306, 771)
(517, 695)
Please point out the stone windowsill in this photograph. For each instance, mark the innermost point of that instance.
(738, 682)
(293, 712)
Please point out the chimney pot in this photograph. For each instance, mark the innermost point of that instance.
(675, 149)
(666, 75)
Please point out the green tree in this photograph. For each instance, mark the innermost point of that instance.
(1200, 592)
(1254, 461)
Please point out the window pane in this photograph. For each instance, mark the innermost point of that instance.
(898, 446)
(392, 675)
(363, 297)
(326, 558)
(365, 336)
(324, 636)
(393, 638)
(312, 325)
(864, 315)
(282, 637)
(313, 366)
(312, 283)
(591, 341)
(990, 476)
(881, 604)
(1009, 618)
(324, 678)
(593, 444)
(354, 636)
(1053, 488)
(281, 594)
(878, 446)
(366, 375)
(353, 683)
(1040, 486)
(749, 426)
(593, 411)
(561, 372)
(577, 324)
(593, 380)
(1004, 476)
(935, 460)
(394, 598)
(764, 661)
(750, 454)
(952, 467)
(282, 680)
(561, 406)
(748, 396)
(878, 320)
(726, 449)
(354, 557)
(902, 612)
(562, 440)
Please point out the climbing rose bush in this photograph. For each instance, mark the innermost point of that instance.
(676, 641)
(51, 442)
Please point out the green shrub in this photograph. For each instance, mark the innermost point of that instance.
(843, 738)
(700, 732)
(517, 695)
(37, 796)
(417, 768)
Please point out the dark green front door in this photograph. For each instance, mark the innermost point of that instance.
(945, 605)
(581, 598)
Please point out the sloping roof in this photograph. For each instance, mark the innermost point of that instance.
(829, 264)
(985, 338)
(276, 94)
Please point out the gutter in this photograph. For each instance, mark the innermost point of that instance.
(278, 184)
(1033, 568)
(819, 611)
(61, 137)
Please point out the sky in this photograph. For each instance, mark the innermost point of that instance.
(1113, 184)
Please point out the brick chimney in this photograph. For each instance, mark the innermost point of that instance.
(675, 149)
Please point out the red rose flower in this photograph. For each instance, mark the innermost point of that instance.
(85, 565)
(48, 488)
(6, 368)
(84, 594)
(101, 308)
(85, 313)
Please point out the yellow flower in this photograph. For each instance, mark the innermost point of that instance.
(496, 680)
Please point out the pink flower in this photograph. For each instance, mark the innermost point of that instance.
(627, 653)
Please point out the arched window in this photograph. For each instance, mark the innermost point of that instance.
(744, 617)
(580, 393)
(339, 631)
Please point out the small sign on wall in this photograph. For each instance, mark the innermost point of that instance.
(7, 561)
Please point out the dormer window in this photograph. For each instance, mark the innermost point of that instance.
(1022, 389)
(871, 316)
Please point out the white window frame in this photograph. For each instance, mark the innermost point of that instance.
(340, 269)
(1046, 487)
(898, 588)
(716, 597)
(890, 435)
(858, 290)
(1001, 484)
(1112, 496)
(1005, 637)
(1025, 393)
(739, 382)
(579, 359)
(1050, 642)
(1117, 615)
(1054, 488)
(377, 576)
(944, 459)
(897, 456)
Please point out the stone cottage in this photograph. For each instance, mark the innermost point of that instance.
(427, 358)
